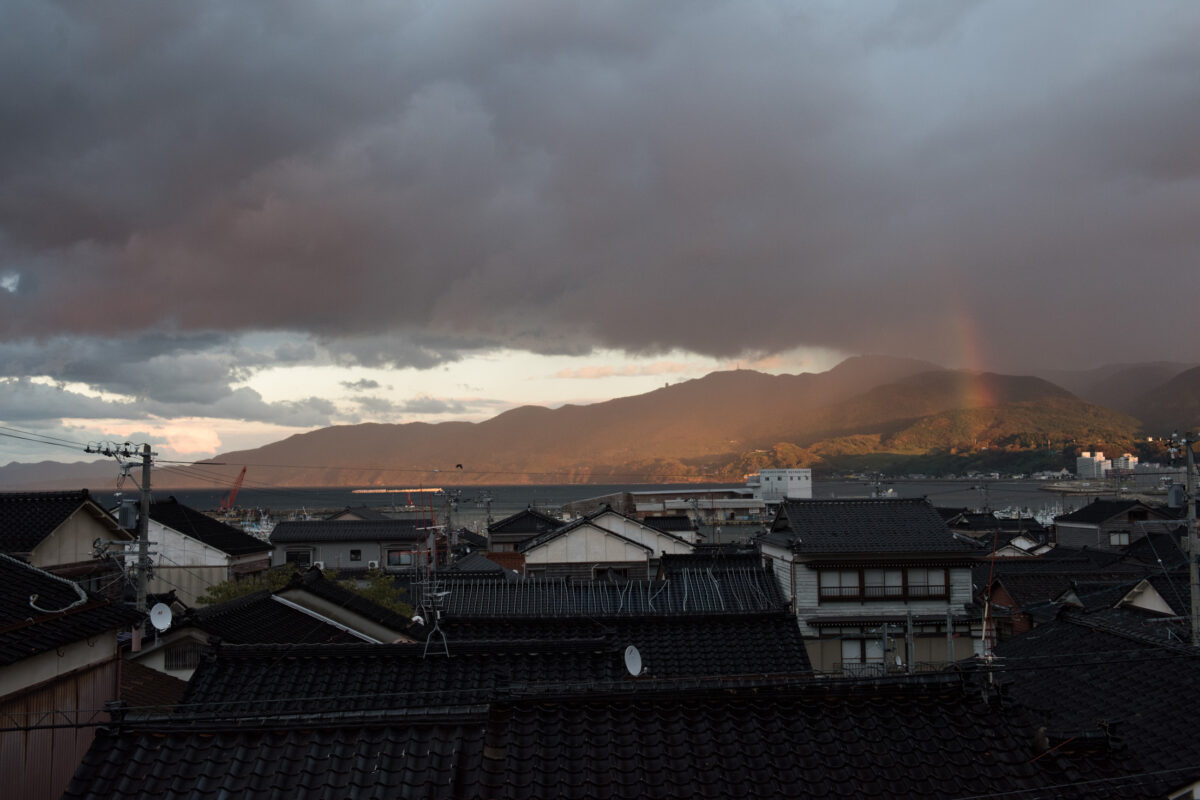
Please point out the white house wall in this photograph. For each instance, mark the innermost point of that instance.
(585, 544)
(176, 549)
(71, 542)
(657, 541)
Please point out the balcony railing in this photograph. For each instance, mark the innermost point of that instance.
(869, 592)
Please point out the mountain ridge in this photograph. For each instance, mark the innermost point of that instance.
(717, 427)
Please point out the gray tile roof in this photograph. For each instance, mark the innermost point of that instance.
(934, 739)
(695, 591)
(26, 631)
(1084, 671)
(864, 527)
(203, 528)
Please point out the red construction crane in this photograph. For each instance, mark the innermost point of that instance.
(231, 498)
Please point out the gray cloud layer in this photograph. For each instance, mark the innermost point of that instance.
(1003, 180)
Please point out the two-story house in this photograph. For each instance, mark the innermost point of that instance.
(1108, 524)
(602, 543)
(66, 533)
(348, 545)
(193, 551)
(876, 585)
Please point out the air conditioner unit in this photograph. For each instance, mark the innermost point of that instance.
(319, 565)
(372, 565)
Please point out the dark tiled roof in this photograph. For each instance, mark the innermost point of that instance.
(361, 512)
(670, 647)
(1157, 548)
(989, 522)
(530, 521)
(260, 618)
(672, 524)
(341, 678)
(715, 557)
(26, 631)
(689, 592)
(1099, 511)
(472, 540)
(26, 518)
(349, 530)
(932, 739)
(412, 760)
(203, 528)
(477, 562)
(1087, 670)
(865, 526)
(144, 687)
(313, 581)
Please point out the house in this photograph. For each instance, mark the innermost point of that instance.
(1107, 524)
(193, 551)
(66, 533)
(565, 718)
(680, 525)
(358, 512)
(1114, 674)
(393, 545)
(1021, 593)
(59, 665)
(507, 535)
(308, 610)
(875, 584)
(603, 542)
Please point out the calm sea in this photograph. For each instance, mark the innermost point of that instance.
(505, 500)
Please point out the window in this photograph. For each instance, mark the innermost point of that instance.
(356, 555)
(1118, 538)
(839, 583)
(302, 557)
(926, 582)
(185, 655)
(862, 657)
(883, 583)
(399, 558)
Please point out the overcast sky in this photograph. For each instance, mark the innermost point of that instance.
(224, 222)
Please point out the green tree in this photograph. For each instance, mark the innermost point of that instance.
(380, 589)
(273, 579)
(377, 587)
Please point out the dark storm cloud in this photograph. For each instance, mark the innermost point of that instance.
(410, 182)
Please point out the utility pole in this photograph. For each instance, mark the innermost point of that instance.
(144, 532)
(1193, 545)
(119, 452)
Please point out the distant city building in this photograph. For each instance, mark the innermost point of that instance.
(773, 486)
(1092, 465)
(1125, 462)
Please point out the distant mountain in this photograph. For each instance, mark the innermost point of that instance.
(672, 432)
(17, 476)
(1121, 387)
(1173, 406)
(712, 428)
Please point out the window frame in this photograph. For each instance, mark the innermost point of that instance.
(914, 584)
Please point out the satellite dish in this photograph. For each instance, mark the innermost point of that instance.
(160, 616)
(633, 661)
